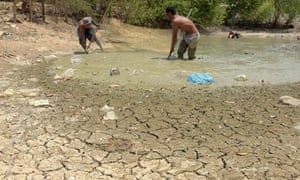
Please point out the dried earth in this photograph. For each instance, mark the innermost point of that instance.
(162, 133)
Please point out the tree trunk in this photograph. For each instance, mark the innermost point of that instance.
(15, 11)
(66, 11)
(43, 10)
(56, 11)
(276, 13)
(30, 11)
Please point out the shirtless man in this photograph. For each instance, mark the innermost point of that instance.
(190, 37)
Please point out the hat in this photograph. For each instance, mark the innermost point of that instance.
(87, 20)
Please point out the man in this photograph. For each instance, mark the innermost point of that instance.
(191, 34)
(86, 31)
(233, 35)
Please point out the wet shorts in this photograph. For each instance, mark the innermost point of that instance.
(88, 33)
(191, 39)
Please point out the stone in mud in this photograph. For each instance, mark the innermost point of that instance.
(68, 74)
(114, 71)
(288, 100)
(2, 33)
(297, 127)
(111, 115)
(50, 57)
(241, 77)
(107, 108)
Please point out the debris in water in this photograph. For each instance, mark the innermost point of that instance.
(114, 71)
(241, 77)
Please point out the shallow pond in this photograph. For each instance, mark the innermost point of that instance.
(274, 60)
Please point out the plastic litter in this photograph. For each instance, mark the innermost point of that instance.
(200, 78)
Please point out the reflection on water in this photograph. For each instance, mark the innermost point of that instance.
(273, 60)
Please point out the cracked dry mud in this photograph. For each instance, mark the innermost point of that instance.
(191, 133)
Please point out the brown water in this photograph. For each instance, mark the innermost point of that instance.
(273, 60)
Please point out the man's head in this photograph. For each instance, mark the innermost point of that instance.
(170, 12)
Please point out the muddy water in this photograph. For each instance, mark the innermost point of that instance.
(273, 60)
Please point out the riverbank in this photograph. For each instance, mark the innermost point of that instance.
(74, 129)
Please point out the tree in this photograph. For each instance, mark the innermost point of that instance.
(15, 11)
(289, 9)
(277, 12)
(43, 10)
(209, 12)
(244, 11)
(152, 12)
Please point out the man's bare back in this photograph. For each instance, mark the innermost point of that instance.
(184, 24)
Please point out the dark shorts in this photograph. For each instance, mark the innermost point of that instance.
(88, 33)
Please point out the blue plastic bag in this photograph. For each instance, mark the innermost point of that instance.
(200, 78)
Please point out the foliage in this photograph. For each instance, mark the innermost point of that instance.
(209, 12)
(265, 11)
(204, 12)
(242, 10)
(290, 8)
(153, 12)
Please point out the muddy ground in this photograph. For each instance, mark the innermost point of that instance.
(159, 133)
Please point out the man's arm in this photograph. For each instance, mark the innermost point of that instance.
(174, 38)
(93, 22)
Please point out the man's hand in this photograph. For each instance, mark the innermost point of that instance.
(171, 52)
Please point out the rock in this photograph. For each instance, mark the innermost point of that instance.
(41, 102)
(57, 77)
(76, 60)
(241, 77)
(2, 33)
(68, 74)
(50, 57)
(5, 27)
(114, 85)
(107, 108)
(42, 49)
(8, 92)
(111, 115)
(288, 100)
(297, 127)
(50, 164)
(13, 25)
(114, 71)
